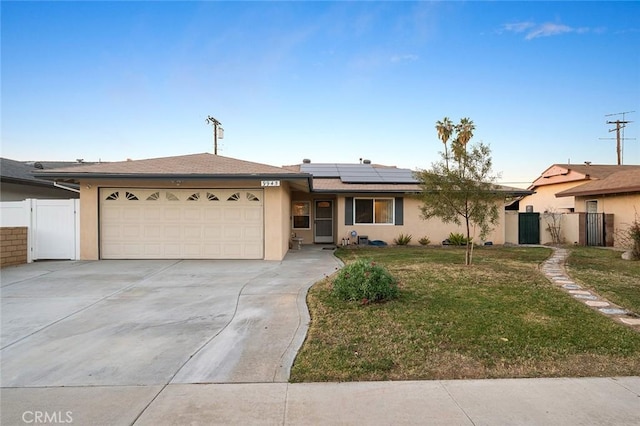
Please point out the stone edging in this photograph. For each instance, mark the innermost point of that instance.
(554, 269)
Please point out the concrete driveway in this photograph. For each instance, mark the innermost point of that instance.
(129, 323)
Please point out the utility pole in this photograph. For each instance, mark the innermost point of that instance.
(619, 129)
(215, 123)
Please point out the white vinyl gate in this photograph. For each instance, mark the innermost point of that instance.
(53, 226)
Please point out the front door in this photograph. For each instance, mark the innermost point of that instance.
(323, 221)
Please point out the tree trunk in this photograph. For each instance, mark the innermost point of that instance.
(467, 256)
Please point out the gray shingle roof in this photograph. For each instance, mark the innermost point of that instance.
(19, 172)
(620, 182)
(194, 165)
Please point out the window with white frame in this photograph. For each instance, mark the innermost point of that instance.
(300, 210)
(373, 211)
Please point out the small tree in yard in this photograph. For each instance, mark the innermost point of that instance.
(629, 237)
(554, 225)
(460, 187)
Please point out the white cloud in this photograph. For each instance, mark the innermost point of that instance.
(533, 30)
(547, 30)
(518, 27)
(401, 58)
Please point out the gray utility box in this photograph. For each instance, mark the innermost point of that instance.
(363, 240)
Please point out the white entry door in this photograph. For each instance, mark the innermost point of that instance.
(137, 223)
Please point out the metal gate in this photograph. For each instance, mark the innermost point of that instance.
(529, 228)
(595, 229)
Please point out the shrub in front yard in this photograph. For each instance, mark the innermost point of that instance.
(424, 241)
(629, 237)
(634, 236)
(403, 239)
(457, 239)
(366, 281)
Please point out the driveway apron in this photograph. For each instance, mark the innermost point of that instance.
(129, 323)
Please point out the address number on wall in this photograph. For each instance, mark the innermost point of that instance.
(270, 183)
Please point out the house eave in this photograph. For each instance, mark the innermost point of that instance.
(185, 176)
(616, 191)
(30, 182)
(366, 191)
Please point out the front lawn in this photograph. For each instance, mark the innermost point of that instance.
(607, 274)
(499, 318)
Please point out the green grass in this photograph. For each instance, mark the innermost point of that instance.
(607, 274)
(498, 318)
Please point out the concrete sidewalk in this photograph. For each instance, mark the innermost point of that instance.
(583, 401)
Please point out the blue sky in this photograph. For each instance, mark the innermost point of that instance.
(329, 81)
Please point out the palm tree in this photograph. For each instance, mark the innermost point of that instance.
(465, 132)
(445, 129)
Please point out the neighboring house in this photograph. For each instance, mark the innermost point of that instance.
(17, 182)
(616, 196)
(205, 206)
(562, 177)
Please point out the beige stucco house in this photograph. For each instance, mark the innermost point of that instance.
(206, 206)
(617, 196)
(562, 177)
(565, 193)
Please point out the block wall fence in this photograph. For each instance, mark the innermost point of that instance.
(13, 245)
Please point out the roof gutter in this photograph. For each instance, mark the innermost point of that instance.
(593, 192)
(57, 185)
(159, 176)
(52, 175)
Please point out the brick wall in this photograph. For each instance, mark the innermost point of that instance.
(13, 246)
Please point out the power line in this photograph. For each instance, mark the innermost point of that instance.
(215, 123)
(619, 129)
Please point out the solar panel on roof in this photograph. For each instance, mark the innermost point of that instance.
(360, 179)
(359, 173)
(320, 170)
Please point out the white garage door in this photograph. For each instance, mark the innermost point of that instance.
(181, 223)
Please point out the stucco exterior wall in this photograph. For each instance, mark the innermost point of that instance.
(569, 228)
(511, 227)
(623, 207)
(545, 198)
(434, 229)
(89, 228)
(276, 224)
(276, 210)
